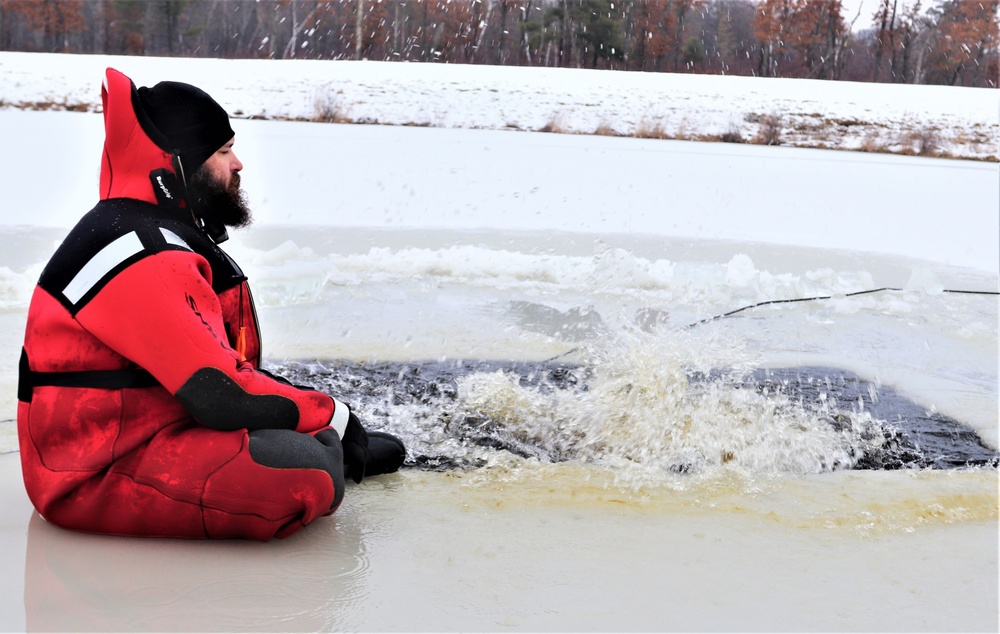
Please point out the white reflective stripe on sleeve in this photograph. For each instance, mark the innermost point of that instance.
(340, 415)
(174, 239)
(101, 264)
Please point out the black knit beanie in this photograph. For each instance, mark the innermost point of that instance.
(193, 124)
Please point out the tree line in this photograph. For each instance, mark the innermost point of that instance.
(952, 42)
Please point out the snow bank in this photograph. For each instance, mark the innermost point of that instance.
(950, 121)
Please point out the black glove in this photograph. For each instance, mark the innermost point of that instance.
(356, 453)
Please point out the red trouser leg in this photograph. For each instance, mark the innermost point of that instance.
(195, 482)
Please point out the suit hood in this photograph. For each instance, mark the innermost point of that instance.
(135, 163)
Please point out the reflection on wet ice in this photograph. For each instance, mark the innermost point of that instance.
(310, 581)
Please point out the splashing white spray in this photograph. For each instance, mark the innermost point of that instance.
(670, 402)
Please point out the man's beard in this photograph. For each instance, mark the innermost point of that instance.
(216, 203)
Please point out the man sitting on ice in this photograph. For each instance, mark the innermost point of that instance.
(142, 406)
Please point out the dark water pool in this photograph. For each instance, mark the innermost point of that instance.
(426, 394)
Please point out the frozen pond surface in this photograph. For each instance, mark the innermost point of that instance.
(541, 550)
(683, 489)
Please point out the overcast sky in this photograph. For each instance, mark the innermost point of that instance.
(868, 8)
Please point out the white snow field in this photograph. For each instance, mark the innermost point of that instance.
(962, 122)
(469, 236)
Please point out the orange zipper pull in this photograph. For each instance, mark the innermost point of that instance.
(241, 343)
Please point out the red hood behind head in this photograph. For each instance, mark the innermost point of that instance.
(130, 152)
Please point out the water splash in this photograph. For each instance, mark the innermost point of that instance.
(658, 400)
(683, 409)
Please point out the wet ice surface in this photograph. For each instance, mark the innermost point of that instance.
(447, 552)
(423, 402)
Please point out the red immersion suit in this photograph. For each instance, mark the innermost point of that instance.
(136, 413)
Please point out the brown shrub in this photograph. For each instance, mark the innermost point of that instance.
(873, 143)
(328, 110)
(605, 129)
(651, 130)
(732, 135)
(924, 142)
(770, 130)
(554, 124)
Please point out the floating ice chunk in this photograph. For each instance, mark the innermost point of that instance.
(924, 279)
(16, 287)
(740, 272)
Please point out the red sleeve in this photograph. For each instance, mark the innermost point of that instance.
(162, 314)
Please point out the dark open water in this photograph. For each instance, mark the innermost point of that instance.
(420, 402)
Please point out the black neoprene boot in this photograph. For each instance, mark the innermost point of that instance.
(387, 453)
(384, 453)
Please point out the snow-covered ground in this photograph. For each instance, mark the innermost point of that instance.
(409, 243)
(959, 122)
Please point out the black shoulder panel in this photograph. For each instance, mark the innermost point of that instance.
(119, 232)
